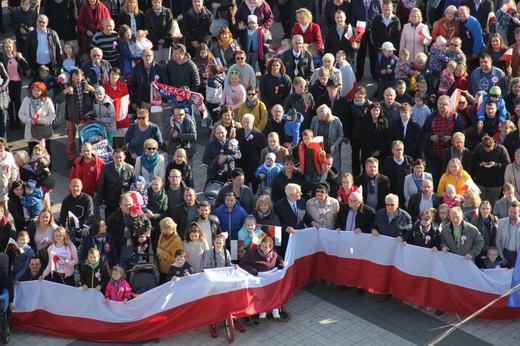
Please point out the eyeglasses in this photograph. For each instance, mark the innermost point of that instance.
(251, 94)
(239, 58)
(234, 72)
(424, 219)
(320, 191)
(147, 55)
(141, 118)
(151, 149)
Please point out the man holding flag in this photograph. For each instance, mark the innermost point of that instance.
(363, 12)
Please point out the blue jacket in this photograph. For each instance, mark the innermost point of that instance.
(33, 202)
(269, 173)
(401, 224)
(125, 57)
(473, 34)
(383, 63)
(501, 108)
(293, 129)
(231, 222)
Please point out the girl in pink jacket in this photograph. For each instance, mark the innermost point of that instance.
(118, 289)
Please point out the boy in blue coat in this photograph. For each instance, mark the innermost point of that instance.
(385, 67)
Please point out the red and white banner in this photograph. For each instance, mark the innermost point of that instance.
(378, 264)
(121, 107)
(197, 98)
(508, 55)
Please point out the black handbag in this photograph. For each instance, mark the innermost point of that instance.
(41, 131)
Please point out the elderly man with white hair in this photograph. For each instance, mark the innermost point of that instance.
(291, 211)
(251, 142)
(298, 61)
(328, 65)
(392, 221)
(96, 69)
(355, 216)
(460, 237)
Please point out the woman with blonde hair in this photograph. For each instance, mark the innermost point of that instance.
(224, 47)
(329, 126)
(169, 243)
(456, 176)
(304, 26)
(447, 26)
(151, 162)
(471, 204)
(64, 257)
(412, 37)
(132, 16)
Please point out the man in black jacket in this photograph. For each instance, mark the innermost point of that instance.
(196, 26)
(355, 216)
(386, 27)
(459, 151)
(185, 211)
(182, 72)
(375, 185)
(160, 25)
(51, 56)
(81, 206)
(423, 200)
(298, 61)
(118, 220)
(116, 178)
(209, 223)
(396, 167)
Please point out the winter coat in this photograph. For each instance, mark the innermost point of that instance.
(118, 292)
(105, 113)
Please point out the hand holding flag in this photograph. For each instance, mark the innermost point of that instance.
(361, 27)
(507, 56)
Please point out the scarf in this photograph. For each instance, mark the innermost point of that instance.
(269, 167)
(149, 163)
(225, 44)
(263, 215)
(251, 104)
(362, 103)
(4, 221)
(251, 7)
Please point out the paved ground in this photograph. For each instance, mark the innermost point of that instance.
(320, 315)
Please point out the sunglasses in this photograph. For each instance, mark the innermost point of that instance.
(320, 191)
(151, 149)
(235, 72)
(141, 118)
(424, 219)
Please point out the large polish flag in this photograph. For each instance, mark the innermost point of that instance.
(379, 264)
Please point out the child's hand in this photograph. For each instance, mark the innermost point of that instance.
(98, 288)
(125, 301)
(175, 278)
(107, 299)
(187, 274)
(84, 287)
(261, 176)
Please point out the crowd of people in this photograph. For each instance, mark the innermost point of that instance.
(426, 169)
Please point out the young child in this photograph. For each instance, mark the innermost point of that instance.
(493, 261)
(226, 169)
(21, 260)
(495, 94)
(180, 162)
(315, 54)
(504, 129)
(33, 199)
(137, 224)
(385, 67)
(254, 42)
(293, 121)
(423, 88)
(180, 267)
(234, 94)
(217, 257)
(311, 171)
(195, 246)
(142, 248)
(403, 67)
(420, 111)
(105, 113)
(141, 43)
(285, 45)
(44, 76)
(214, 92)
(266, 171)
(118, 289)
(447, 78)
(141, 187)
(451, 198)
(23, 21)
(248, 234)
(438, 57)
(94, 274)
(402, 96)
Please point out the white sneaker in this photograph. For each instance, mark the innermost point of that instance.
(276, 313)
(262, 315)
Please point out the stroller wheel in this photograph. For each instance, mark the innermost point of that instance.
(5, 334)
(285, 315)
(229, 324)
(248, 321)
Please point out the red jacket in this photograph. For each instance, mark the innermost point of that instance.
(312, 34)
(115, 94)
(318, 155)
(118, 295)
(88, 173)
(86, 22)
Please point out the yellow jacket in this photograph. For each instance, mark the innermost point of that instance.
(447, 178)
(166, 251)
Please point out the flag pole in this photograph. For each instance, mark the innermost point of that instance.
(467, 319)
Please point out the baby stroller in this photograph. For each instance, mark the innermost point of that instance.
(143, 277)
(211, 191)
(95, 133)
(4, 300)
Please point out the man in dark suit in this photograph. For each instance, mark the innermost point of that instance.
(386, 26)
(423, 200)
(396, 167)
(355, 216)
(186, 211)
(298, 59)
(251, 142)
(459, 151)
(407, 131)
(292, 213)
(375, 185)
